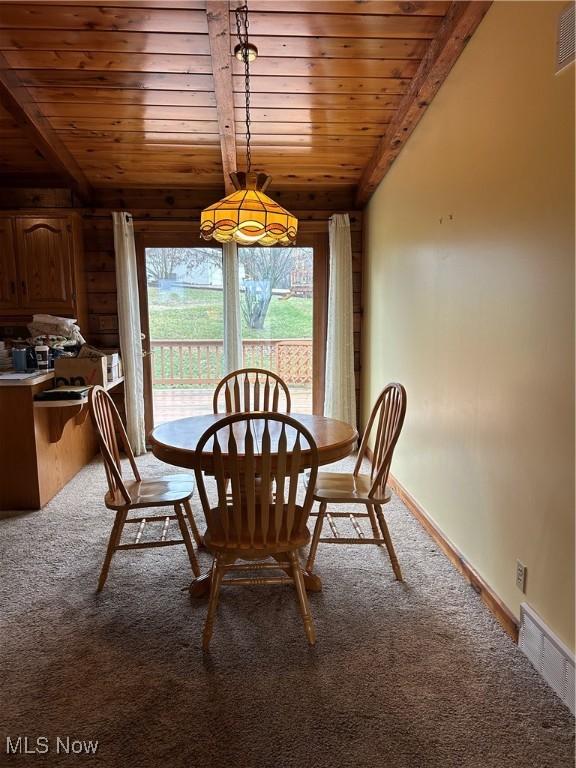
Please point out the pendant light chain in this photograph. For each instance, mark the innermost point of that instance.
(248, 216)
(242, 29)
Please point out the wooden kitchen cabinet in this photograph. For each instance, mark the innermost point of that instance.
(9, 296)
(45, 250)
(41, 266)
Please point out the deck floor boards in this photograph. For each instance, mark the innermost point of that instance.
(171, 404)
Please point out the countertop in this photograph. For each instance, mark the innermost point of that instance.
(39, 378)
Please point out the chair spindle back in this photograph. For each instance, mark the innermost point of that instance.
(251, 389)
(109, 427)
(386, 419)
(257, 460)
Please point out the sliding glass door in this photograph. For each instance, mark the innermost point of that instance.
(276, 301)
(183, 321)
(186, 329)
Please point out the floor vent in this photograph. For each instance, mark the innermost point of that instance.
(548, 654)
(566, 43)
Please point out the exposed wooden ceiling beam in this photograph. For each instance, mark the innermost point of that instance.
(218, 13)
(455, 31)
(18, 101)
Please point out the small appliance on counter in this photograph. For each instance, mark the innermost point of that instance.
(20, 359)
(42, 352)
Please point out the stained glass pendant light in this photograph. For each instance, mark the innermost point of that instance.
(248, 216)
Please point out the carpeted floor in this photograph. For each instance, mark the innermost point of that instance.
(413, 675)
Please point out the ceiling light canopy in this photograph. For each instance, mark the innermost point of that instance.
(243, 50)
(248, 216)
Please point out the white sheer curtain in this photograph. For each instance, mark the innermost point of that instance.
(129, 328)
(340, 394)
(232, 322)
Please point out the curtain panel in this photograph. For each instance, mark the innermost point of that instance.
(129, 329)
(340, 386)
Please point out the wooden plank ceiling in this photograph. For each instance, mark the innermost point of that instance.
(133, 95)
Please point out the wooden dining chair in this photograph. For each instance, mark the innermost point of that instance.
(125, 495)
(251, 389)
(261, 457)
(384, 427)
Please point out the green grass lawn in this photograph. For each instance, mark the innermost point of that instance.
(196, 313)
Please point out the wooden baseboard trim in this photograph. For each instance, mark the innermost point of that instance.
(501, 613)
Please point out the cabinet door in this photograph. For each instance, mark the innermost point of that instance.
(45, 263)
(8, 277)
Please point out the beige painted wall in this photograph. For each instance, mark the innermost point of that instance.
(469, 301)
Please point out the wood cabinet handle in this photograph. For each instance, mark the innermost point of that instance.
(23, 286)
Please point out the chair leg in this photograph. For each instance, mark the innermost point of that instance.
(187, 540)
(388, 542)
(113, 541)
(316, 536)
(216, 583)
(302, 597)
(373, 522)
(193, 526)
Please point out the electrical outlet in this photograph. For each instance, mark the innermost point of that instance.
(520, 576)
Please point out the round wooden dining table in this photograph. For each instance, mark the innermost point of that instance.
(174, 442)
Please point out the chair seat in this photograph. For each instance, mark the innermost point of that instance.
(157, 491)
(346, 487)
(240, 545)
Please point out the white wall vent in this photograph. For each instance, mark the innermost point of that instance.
(548, 654)
(565, 44)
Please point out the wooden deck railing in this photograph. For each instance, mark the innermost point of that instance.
(199, 363)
